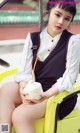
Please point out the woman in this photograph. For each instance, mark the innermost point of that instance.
(56, 69)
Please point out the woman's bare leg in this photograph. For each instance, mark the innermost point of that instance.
(24, 115)
(9, 97)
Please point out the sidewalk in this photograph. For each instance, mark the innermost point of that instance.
(12, 58)
(11, 52)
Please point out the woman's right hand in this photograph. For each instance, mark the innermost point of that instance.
(22, 85)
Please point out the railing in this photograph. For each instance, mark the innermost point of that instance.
(24, 17)
(18, 17)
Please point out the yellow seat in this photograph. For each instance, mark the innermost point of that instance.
(51, 123)
(70, 123)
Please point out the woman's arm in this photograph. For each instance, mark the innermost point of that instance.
(72, 65)
(25, 68)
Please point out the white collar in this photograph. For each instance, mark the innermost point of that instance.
(45, 34)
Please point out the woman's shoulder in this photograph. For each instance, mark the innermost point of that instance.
(74, 42)
(74, 39)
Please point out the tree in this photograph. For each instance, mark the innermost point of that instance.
(33, 3)
(78, 7)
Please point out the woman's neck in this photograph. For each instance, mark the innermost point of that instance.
(51, 33)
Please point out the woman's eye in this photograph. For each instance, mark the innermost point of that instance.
(58, 15)
(67, 19)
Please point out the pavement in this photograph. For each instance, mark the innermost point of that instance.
(11, 51)
(12, 58)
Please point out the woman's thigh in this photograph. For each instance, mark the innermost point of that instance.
(10, 92)
(30, 112)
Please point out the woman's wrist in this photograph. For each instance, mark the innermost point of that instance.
(51, 92)
(22, 82)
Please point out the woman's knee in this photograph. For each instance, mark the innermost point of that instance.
(8, 90)
(18, 116)
(28, 113)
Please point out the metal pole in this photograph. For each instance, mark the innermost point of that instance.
(40, 14)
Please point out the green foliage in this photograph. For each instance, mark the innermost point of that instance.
(30, 3)
(78, 7)
(34, 4)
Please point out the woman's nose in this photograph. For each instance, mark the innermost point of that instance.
(61, 20)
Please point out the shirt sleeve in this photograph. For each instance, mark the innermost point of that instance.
(25, 68)
(72, 65)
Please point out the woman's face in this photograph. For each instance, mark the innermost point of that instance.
(58, 20)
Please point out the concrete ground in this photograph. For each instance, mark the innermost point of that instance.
(11, 51)
(12, 58)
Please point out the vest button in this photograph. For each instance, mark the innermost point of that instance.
(49, 50)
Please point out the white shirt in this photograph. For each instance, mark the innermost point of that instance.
(46, 46)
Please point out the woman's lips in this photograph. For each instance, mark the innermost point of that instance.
(58, 27)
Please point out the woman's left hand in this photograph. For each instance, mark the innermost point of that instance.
(33, 101)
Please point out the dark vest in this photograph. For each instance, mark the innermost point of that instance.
(53, 67)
